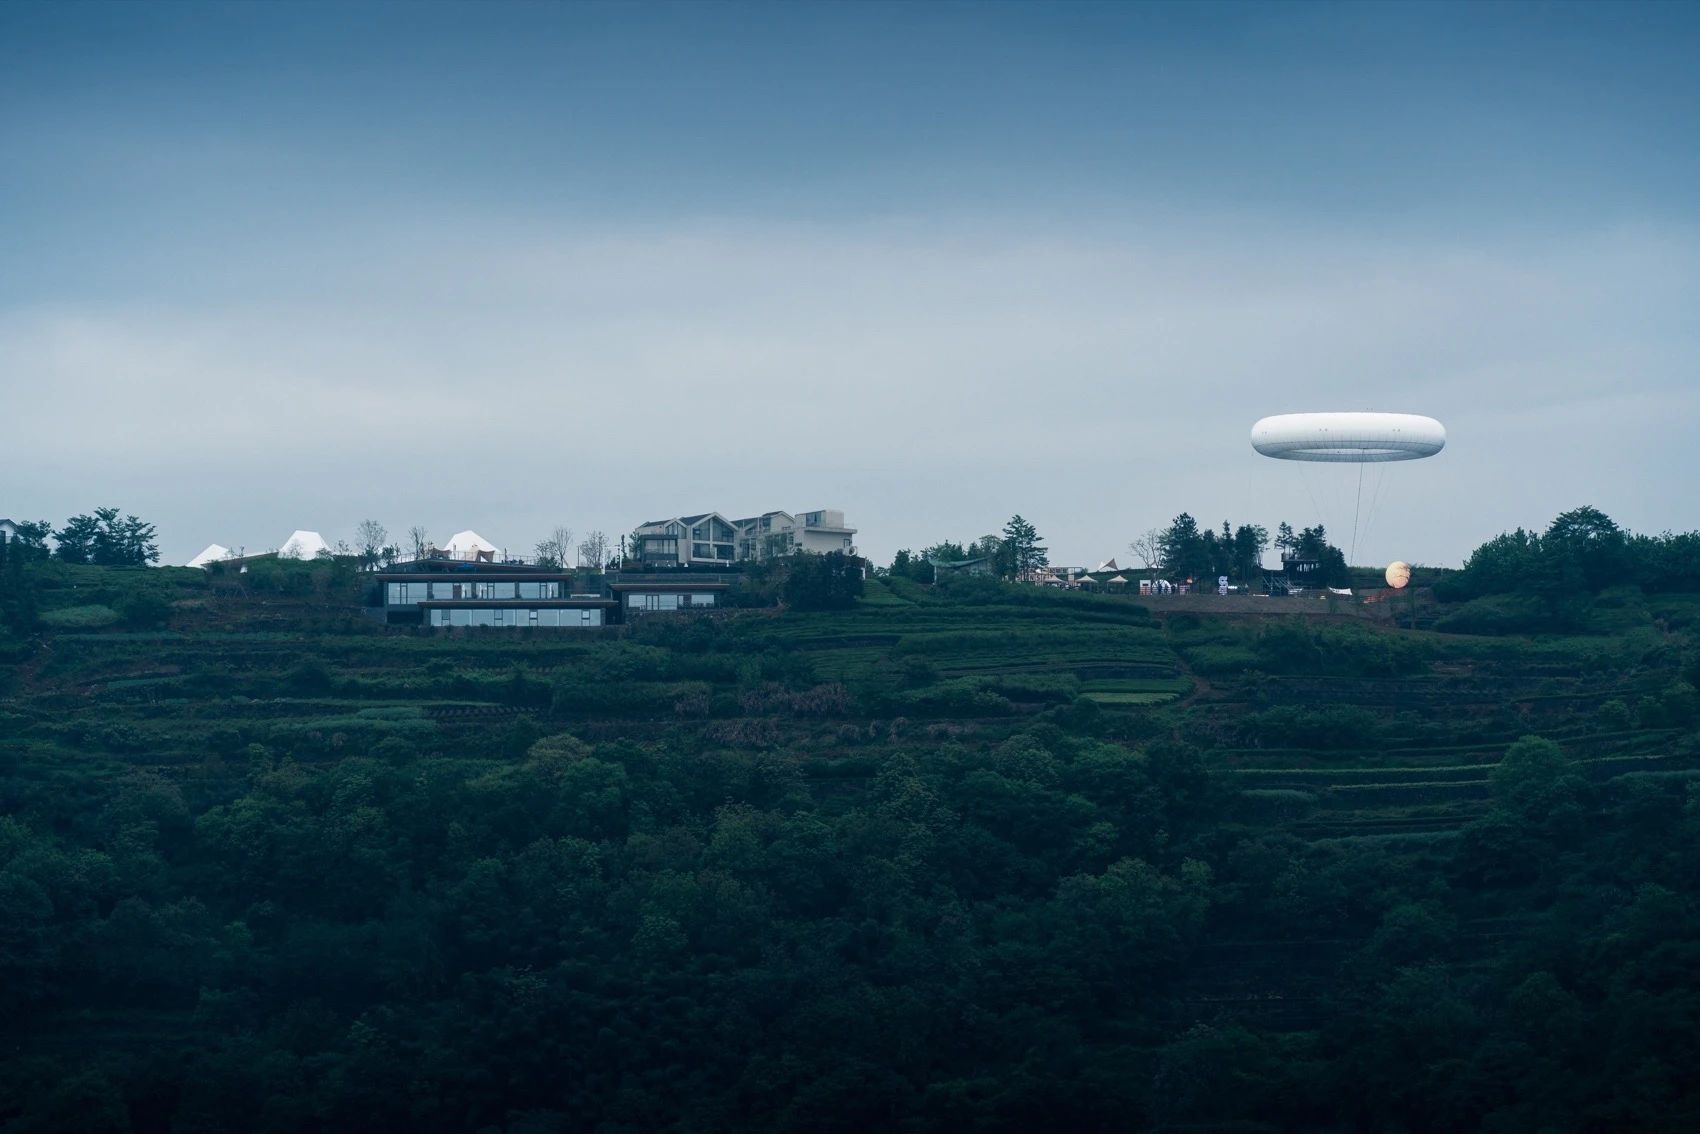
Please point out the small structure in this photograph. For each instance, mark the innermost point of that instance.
(303, 545)
(1116, 582)
(213, 553)
(945, 568)
(469, 546)
(8, 531)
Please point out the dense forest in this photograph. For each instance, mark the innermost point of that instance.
(976, 856)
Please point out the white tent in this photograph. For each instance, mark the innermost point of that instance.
(1107, 565)
(213, 553)
(468, 545)
(302, 545)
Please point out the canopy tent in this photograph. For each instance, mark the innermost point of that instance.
(213, 553)
(302, 545)
(468, 545)
(1119, 579)
(1107, 565)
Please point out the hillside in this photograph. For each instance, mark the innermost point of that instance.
(985, 857)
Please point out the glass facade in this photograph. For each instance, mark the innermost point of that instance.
(408, 594)
(552, 618)
(668, 601)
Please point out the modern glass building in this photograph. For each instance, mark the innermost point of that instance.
(452, 593)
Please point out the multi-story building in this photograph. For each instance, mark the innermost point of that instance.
(711, 540)
(775, 534)
(441, 591)
(456, 592)
(703, 540)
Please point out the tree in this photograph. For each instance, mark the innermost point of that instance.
(908, 564)
(1284, 539)
(370, 537)
(75, 541)
(1021, 549)
(107, 540)
(1312, 543)
(1184, 551)
(29, 539)
(823, 582)
(556, 549)
(1149, 548)
(1250, 542)
(1533, 777)
(1587, 542)
(18, 584)
(419, 540)
(593, 551)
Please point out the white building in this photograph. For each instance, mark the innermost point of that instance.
(703, 540)
(774, 534)
(303, 545)
(214, 553)
(709, 539)
(469, 545)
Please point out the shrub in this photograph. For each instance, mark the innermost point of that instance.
(91, 617)
(1220, 661)
(1498, 614)
(145, 610)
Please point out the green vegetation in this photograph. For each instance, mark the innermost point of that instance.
(967, 857)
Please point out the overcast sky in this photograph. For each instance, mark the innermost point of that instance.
(267, 267)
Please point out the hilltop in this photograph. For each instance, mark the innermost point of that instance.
(978, 856)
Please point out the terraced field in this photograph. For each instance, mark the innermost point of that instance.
(1247, 820)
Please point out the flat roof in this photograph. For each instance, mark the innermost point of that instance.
(539, 604)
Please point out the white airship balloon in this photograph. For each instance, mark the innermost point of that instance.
(1352, 438)
(1357, 438)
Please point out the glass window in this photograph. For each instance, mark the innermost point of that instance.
(532, 619)
(482, 617)
(460, 618)
(700, 551)
(703, 600)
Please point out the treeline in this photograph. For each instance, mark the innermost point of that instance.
(1565, 578)
(104, 538)
(1581, 551)
(1013, 555)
